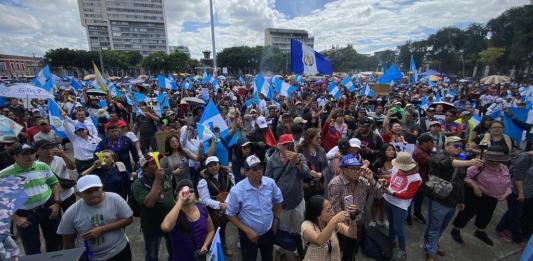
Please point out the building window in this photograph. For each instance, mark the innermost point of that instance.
(2, 66)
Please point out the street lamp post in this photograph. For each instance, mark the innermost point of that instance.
(463, 62)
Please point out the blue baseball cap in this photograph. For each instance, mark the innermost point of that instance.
(79, 126)
(350, 160)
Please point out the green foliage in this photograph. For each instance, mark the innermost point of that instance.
(491, 55)
(347, 59)
(245, 59)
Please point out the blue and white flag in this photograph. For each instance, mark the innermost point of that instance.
(56, 119)
(262, 86)
(211, 118)
(305, 60)
(216, 252)
(165, 83)
(299, 79)
(139, 97)
(186, 84)
(284, 88)
(366, 91)
(162, 102)
(103, 104)
(513, 131)
(205, 77)
(44, 79)
(438, 97)
(412, 69)
(347, 82)
(424, 103)
(214, 83)
(334, 90)
(243, 82)
(76, 85)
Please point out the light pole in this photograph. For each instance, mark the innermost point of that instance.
(213, 37)
(463, 61)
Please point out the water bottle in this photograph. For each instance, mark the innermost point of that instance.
(462, 156)
(88, 250)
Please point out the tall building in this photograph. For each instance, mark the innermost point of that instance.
(179, 48)
(128, 25)
(281, 38)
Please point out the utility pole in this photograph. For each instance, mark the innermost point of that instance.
(213, 37)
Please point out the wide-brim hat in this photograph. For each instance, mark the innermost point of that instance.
(404, 161)
(496, 156)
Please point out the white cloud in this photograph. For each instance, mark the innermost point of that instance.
(33, 26)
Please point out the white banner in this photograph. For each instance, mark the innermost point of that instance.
(401, 147)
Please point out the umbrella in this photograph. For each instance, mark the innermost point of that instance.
(13, 197)
(495, 79)
(25, 91)
(142, 77)
(221, 77)
(89, 77)
(429, 72)
(434, 78)
(96, 92)
(193, 100)
(114, 78)
(446, 105)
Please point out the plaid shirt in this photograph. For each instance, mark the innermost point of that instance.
(340, 187)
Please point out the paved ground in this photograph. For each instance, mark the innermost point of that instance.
(474, 249)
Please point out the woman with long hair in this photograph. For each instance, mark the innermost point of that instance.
(319, 230)
(83, 143)
(121, 145)
(189, 226)
(176, 159)
(315, 156)
(383, 169)
(496, 138)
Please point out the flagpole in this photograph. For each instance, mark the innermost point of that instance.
(213, 37)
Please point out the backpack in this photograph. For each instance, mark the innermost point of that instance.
(377, 245)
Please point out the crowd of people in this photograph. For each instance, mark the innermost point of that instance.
(317, 176)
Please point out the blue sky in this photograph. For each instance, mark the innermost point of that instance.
(34, 26)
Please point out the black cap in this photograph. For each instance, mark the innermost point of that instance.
(24, 149)
(424, 138)
(343, 144)
(366, 122)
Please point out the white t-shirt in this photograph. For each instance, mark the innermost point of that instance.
(59, 168)
(132, 136)
(80, 218)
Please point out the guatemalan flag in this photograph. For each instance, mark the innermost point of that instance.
(216, 253)
(262, 86)
(44, 79)
(366, 91)
(348, 83)
(211, 118)
(305, 60)
(56, 119)
(412, 69)
(334, 90)
(165, 83)
(284, 88)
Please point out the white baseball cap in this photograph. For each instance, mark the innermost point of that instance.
(252, 161)
(211, 159)
(88, 181)
(261, 122)
(355, 143)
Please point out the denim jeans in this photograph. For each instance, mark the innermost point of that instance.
(396, 217)
(511, 219)
(152, 241)
(438, 218)
(30, 234)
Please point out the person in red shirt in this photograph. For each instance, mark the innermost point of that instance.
(330, 134)
(401, 189)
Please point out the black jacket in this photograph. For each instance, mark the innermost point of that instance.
(441, 166)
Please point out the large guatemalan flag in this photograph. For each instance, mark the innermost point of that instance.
(305, 60)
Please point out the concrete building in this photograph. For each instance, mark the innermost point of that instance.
(180, 48)
(281, 38)
(14, 67)
(128, 25)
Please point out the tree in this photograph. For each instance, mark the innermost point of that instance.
(491, 55)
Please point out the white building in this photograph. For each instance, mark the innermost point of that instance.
(180, 48)
(281, 38)
(129, 25)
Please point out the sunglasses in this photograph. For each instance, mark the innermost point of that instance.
(458, 146)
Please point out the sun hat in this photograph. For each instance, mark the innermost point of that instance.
(495, 156)
(404, 161)
(298, 120)
(452, 139)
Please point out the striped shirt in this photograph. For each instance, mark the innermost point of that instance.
(39, 180)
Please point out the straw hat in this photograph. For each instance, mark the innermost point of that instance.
(404, 161)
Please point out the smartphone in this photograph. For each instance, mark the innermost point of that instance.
(348, 201)
(290, 146)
